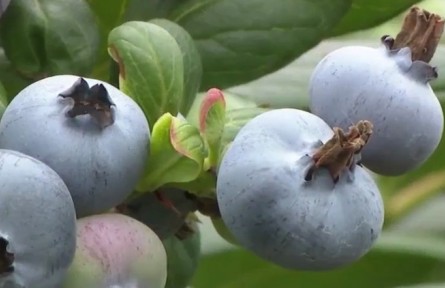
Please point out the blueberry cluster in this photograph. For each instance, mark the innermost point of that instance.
(295, 187)
(72, 149)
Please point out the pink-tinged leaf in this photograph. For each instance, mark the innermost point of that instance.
(212, 119)
(177, 154)
(183, 138)
(213, 97)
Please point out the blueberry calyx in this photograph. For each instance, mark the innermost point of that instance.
(388, 41)
(94, 101)
(342, 151)
(418, 69)
(6, 258)
(421, 32)
(423, 71)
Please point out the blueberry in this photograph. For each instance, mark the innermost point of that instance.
(114, 250)
(37, 226)
(93, 135)
(385, 86)
(288, 190)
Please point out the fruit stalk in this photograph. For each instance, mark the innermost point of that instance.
(421, 32)
(338, 153)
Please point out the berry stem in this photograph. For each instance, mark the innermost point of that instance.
(94, 101)
(188, 228)
(6, 258)
(338, 153)
(167, 203)
(421, 32)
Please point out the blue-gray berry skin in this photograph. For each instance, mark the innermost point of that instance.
(271, 210)
(100, 165)
(390, 90)
(38, 222)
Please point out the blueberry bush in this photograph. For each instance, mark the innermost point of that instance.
(222, 143)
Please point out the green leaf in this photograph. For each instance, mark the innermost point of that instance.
(238, 112)
(182, 259)
(365, 14)
(151, 67)
(203, 186)
(3, 100)
(46, 37)
(241, 40)
(109, 14)
(236, 119)
(177, 154)
(191, 60)
(212, 118)
(395, 260)
(233, 101)
(144, 10)
(12, 81)
(212, 115)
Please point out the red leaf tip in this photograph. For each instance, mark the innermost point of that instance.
(213, 96)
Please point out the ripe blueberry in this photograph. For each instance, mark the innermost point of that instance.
(388, 86)
(93, 135)
(289, 190)
(37, 223)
